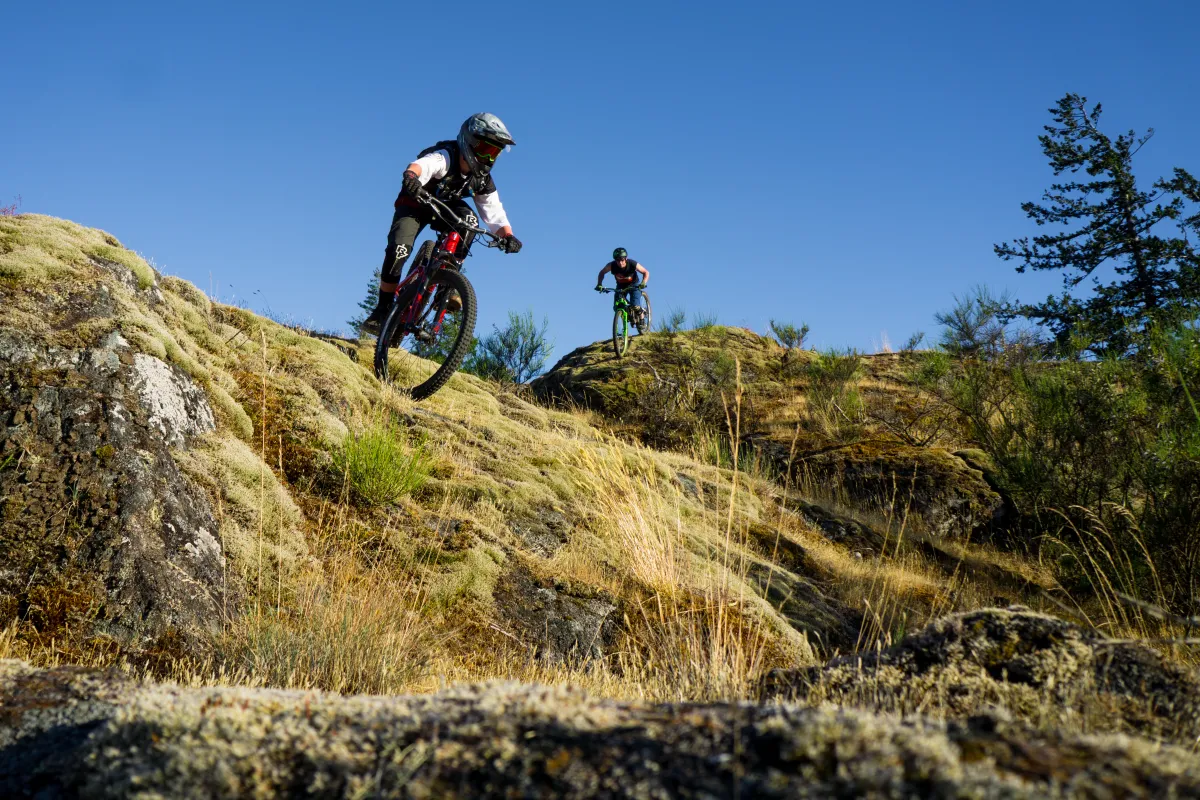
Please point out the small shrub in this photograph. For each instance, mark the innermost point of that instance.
(379, 466)
(975, 326)
(11, 209)
(834, 403)
(515, 354)
(913, 342)
(789, 335)
(704, 321)
(673, 321)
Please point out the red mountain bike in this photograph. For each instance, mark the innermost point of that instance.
(440, 333)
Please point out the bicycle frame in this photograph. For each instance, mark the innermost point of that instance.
(445, 248)
(621, 300)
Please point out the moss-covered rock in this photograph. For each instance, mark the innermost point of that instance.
(947, 496)
(671, 387)
(68, 732)
(1043, 669)
(102, 534)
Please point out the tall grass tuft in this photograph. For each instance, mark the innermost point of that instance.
(356, 631)
(379, 466)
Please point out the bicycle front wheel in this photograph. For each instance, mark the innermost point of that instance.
(422, 354)
(620, 337)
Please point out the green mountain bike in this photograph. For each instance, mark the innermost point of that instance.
(625, 315)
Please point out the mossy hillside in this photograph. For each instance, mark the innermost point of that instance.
(678, 549)
(66, 286)
(592, 376)
(508, 476)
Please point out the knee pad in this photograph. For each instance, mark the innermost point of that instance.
(393, 261)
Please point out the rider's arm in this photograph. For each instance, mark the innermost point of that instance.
(428, 168)
(600, 278)
(645, 273)
(492, 213)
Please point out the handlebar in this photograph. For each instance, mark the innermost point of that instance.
(450, 218)
(606, 290)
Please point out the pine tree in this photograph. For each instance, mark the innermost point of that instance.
(1108, 222)
(367, 304)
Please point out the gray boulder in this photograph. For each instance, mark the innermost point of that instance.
(102, 534)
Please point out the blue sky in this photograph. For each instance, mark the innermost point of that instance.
(849, 165)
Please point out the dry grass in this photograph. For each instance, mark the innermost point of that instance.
(355, 629)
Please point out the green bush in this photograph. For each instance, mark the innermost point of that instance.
(379, 466)
(515, 354)
(1083, 445)
(673, 321)
(789, 335)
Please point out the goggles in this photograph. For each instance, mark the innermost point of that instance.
(486, 151)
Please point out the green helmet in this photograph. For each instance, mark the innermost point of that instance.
(620, 253)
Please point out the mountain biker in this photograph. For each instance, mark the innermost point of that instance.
(451, 170)
(625, 271)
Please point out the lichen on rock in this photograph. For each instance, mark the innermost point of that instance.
(175, 406)
(1040, 668)
(71, 732)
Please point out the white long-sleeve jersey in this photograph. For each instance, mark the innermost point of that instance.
(436, 166)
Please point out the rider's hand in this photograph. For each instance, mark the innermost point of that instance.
(599, 287)
(412, 184)
(642, 285)
(510, 244)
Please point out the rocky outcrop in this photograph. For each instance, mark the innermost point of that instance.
(940, 493)
(559, 622)
(648, 393)
(1043, 669)
(69, 732)
(105, 544)
(101, 531)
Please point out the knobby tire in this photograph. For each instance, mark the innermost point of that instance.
(620, 337)
(451, 279)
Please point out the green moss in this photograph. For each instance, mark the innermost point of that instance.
(142, 271)
(473, 578)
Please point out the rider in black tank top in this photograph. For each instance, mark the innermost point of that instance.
(626, 271)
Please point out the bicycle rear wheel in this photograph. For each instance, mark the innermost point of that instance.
(646, 318)
(422, 356)
(620, 338)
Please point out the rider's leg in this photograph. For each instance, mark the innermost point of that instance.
(635, 303)
(407, 223)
